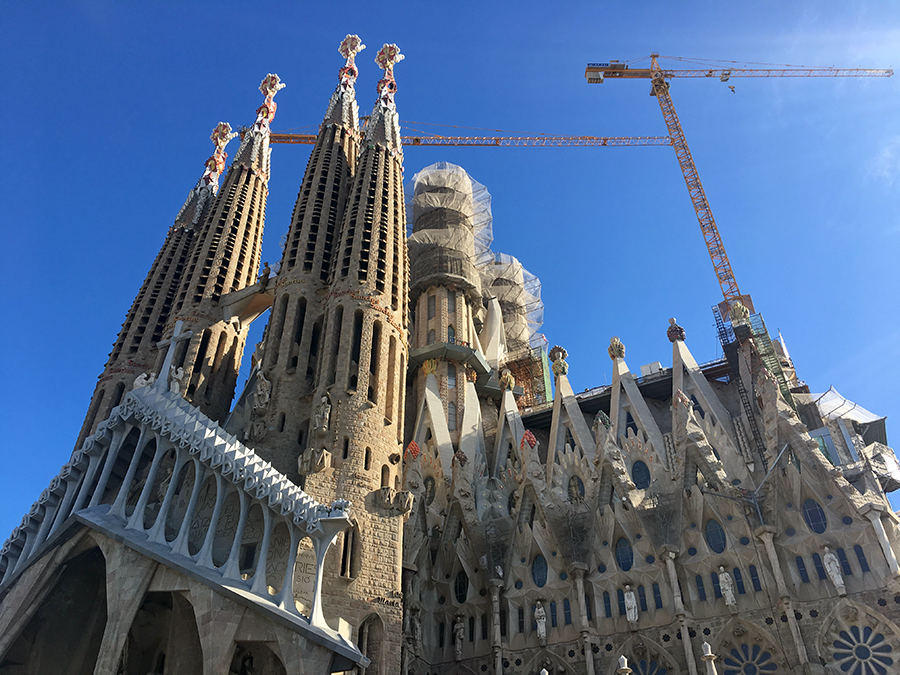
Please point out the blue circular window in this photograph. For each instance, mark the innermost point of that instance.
(745, 540)
(539, 571)
(848, 520)
(624, 554)
(601, 568)
(640, 474)
(814, 516)
(692, 551)
(715, 535)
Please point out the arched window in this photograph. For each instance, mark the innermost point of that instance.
(567, 612)
(367, 463)
(640, 474)
(539, 571)
(820, 568)
(385, 476)
(642, 598)
(451, 302)
(739, 581)
(451, 335)
(701, 589)
(715, 535)
(863, 563)
(717, 588)
(607, 605)
(657, 596)
(624, 554)
(451, 376)
(801, 569)
(620, 596)
(451, 416)
(754, 578)
(350, 553)
(461, 587)
(431, 306)
(814, 516)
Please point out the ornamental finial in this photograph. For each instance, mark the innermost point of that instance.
(616, 349)
(350, 47)
(270, 86)
(215, 165)
(674, 332)
(558, 357)
(388, 57)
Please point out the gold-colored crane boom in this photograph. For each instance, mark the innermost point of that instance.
(595, 73)
(500, 141)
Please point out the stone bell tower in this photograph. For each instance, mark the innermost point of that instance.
(280, 429)
(225, 258)
(357, 431)
(135, 349)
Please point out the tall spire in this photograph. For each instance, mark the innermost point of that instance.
(294, 335)
(134, 351)
(198, 199)
(342, 108)
(224, 259)
(254, 151)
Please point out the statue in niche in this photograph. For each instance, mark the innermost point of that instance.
(323, 414)
(833, 568)
(726, 584)
(416, 625)
(631, 607)
(459, 635)
(176, 379)
(263, 392)
(540, 618)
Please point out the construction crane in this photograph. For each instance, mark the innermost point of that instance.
(499, 141)
(597, 72)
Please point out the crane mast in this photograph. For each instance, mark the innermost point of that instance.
(595, 73)
(721, 264)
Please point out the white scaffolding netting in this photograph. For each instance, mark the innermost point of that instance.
(450, 230)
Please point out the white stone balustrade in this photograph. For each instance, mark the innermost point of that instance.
(188, 534)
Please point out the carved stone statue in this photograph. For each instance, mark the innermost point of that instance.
(416, 629)
(631, 607)
(459, 634)
(176, 379)
(726, 584)
(263, 392)
(833, 568)
(323, 414)
(263, 278)
(540, 618)
(507, 381)
(143, 380)
(313, 461)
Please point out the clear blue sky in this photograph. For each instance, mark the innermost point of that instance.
(107, 108)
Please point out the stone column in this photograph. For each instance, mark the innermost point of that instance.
(668, 554)
(688, 647)
(873, 513)
(765, 534)
(709, 658)
(788, 609)
(578, 569)
(496, 644)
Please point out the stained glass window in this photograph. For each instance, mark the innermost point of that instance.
(539, 571)
(814, 516)
(640, 474)
(715, 535)
(624, 554)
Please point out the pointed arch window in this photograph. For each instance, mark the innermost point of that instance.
(451, 335)
(624, 554)
(567, 612)
(607, 605)
(861, 557)
(640, 474)
(642, 598)
(657, 596)
(451, 376)
(814, 516)
(701, 589)
(630, 423)
(845, 564)
(576, 490)
(801, 569)
(820, 568)
(754, 579)
(739, 581)
(715, 535)
(451, 302)
(431, 306)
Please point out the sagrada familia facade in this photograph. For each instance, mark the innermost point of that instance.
(408, 483)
